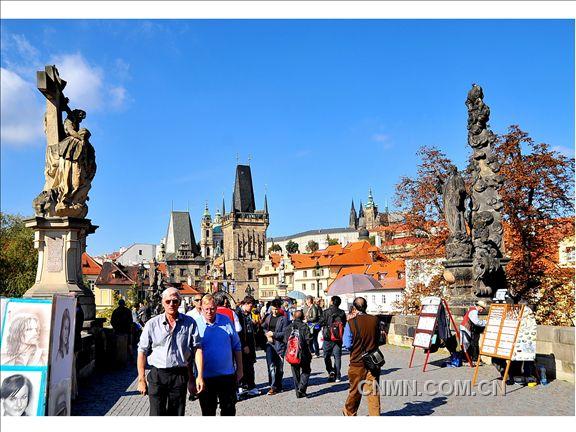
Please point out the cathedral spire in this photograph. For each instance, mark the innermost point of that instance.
(353, 222)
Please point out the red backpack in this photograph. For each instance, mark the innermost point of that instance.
(336, 329)
(294, 348)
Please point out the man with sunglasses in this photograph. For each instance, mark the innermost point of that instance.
(196, 311)
(170, 342)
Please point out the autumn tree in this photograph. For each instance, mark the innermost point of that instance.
(419, 200)
(292, 247)
(18, 258)
(537, 195)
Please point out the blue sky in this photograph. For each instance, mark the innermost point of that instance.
(325, 108)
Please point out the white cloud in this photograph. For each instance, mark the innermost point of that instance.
(21, 111)
(87, 86)
(84, 85)
(382, 139)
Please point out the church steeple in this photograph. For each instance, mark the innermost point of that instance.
(265, 203)
(370, 202)
(223, 208)
(353, 222)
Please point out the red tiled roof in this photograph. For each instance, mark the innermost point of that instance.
(387, 273)
(112, 274)
(89, 266)
(275, 259)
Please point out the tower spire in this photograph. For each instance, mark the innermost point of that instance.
(353, 221)
(266, 203)
(223, 206)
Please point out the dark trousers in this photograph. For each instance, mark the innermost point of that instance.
(333, 349)
(219, 390)
(314, 346)
(301, 375)
(167, 391)
(248, 379)
(275, 364)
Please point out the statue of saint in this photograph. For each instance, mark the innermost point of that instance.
(454, 198)
(76, 167)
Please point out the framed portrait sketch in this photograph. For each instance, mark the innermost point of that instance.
(61, 354)
(25, 337)
(22, 391)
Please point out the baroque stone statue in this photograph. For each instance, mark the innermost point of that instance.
(486, 201)
(453, 189)
(70, 158)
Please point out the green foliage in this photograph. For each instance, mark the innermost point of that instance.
(372, 240)
(275, 248)
(292, 247)
(107, 313)
(132, 296)
(18, 258)
(312, 246)
(331, 241)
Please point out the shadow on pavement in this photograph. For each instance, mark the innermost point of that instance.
(99, 393)
(332, 389)
(418, 408)
(388, 371)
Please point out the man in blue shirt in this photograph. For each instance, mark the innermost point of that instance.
(222, 352)
(167, 343)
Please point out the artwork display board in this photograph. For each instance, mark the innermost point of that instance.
(61, 355)
(426, 322)
(500, 334)
(434, 313)
(501, 330)
(24, 355)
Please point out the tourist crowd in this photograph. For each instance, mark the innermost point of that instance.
(208, 350)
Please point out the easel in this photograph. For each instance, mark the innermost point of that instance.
(433, 332)
(504, 321)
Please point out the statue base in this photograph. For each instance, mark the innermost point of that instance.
(61, 243)
(459, 274)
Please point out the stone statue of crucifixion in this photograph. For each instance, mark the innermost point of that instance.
(70, 158)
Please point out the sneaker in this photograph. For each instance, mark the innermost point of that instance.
(254, 392)
(331, 377)
(338, 380)
(272, 392)
(241, 390)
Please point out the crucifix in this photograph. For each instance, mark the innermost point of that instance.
(51, 86)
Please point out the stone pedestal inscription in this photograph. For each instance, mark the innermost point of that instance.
(54, 247)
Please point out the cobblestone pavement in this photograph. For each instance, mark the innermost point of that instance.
(115, 394)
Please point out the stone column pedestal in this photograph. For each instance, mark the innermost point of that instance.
(61, 243)
(459, 275)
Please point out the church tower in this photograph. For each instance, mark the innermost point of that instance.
(371, 212)
(244, 234)
(206, 243)
(353, 217)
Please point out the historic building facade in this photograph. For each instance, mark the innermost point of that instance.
(244, 236)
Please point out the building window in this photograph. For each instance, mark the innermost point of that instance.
(303, 287)
(250, 274)
(320, 285)
(139, 251)
(207, 233)
(196, 272)
(400, 275)
(182, 272)
(383, 299)
(305, 273)
(374, 299)
(313, 286)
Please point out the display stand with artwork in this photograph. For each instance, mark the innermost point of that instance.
(36, 354)
(427, 327)
(500, 335)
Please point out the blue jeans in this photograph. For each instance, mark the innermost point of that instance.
(275, 367)
(333, 349)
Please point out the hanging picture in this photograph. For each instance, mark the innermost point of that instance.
(26, 332)
(22, 391)
(61, 356)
